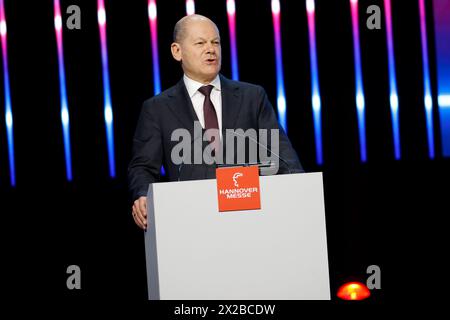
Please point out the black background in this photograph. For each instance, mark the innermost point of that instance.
(383, 212)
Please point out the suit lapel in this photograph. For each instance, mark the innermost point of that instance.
(230, 103)
(181, 106)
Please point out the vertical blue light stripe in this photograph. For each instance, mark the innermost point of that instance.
(108, 113)
(393, 96)
(8, 108)
(65, 119)
(62, 90)
(281, 97)
(441, 10)
(428, 101)
(9, 131)
(156, 77)
(315, 90)
(359, 97)
(153, 20)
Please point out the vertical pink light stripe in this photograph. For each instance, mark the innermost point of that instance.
(102, 26)
(152, 16)
(190, 7)
(58, 26)
(231, 12)
(3, 34)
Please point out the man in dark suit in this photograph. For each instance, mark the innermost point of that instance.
(202, 98)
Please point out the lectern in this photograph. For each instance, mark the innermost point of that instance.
(193, 251)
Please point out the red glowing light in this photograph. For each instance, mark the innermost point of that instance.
(353, 291)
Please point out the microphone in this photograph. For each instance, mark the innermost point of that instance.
(180, 167)
(267, 149)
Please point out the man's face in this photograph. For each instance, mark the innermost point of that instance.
(199, 51)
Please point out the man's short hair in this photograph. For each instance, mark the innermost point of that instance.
(179, 31)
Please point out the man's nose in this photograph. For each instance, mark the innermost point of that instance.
(210, 48)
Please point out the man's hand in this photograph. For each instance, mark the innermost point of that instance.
(140, 212)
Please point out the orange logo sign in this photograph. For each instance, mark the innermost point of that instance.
(238, 188)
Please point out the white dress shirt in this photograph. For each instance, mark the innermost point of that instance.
(198, 98)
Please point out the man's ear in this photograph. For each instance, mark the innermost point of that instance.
(176, 51)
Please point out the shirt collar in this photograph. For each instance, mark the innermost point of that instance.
(192, 86)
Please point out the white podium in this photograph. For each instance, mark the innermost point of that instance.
(193, 251)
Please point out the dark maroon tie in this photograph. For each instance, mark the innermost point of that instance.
(209, 112)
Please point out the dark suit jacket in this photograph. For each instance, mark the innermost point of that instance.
(244, 106)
